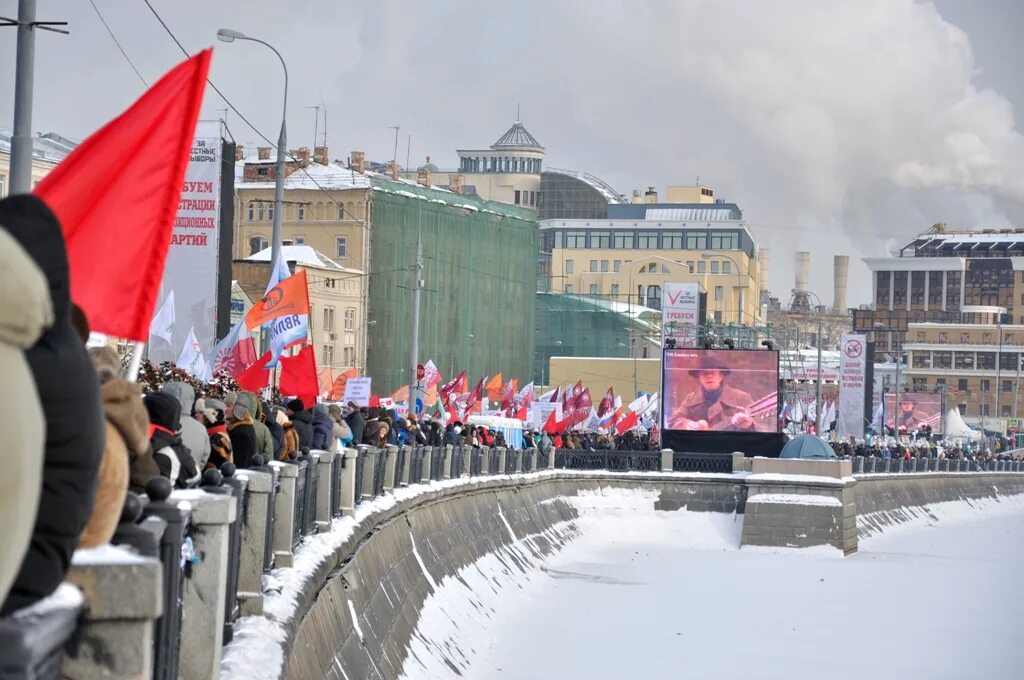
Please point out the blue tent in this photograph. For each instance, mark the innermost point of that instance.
(807, 446)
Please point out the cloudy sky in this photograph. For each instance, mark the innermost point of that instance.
(839, 126)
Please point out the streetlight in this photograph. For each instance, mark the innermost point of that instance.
(229, 35)
(711, 255)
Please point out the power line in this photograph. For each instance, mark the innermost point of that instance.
(114, 38)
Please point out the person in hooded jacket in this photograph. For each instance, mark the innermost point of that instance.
(342, 434)
(323, 428)
(69, 393)
(27, 314)
(242, 432)
(211, 412)
(269, 417)
(264, 440)
(302, 419)
(193, 434)
(173, 459)
(356, 422)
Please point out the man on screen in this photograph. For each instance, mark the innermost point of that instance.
(908, 417)
(713, 405)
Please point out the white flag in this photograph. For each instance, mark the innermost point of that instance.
(639, 405)
(191, 358)
(163, 323)
(798, 412)
(652, 406)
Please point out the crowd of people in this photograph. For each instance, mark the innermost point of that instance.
(891, 447)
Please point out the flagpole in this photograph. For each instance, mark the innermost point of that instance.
(133, 368)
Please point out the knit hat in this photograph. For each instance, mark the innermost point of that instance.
(296, 406)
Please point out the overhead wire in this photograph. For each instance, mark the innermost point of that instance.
(113, 37)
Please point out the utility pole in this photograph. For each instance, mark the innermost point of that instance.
(394, 157)
(817, 385)
(24, 77)
(414, 342)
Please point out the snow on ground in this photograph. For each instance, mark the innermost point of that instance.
(652, 594)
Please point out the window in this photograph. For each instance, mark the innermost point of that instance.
(617, 266)
(299, 240)
(600, 239)
(615, 289)
(1008, 338)
(943, 337)
(986, 338)
(568, 288)
(940, 382)
(723, 240)
(1005, 411)
(593, 265)
(696, 240)
(689, 266)
(984, 409)
(260, 211)
(986, 361)
(517, 196)
(270, 212)
(647, 240)
(920, 336)
(984, 384)
(714, 267)
(329, 319)
(719, 293)
(257, 243)
(341, 211)
(920, 384)
(964, 361)
(604, 266)
(1007, 387)
(350, 318)
(961, 384)
(575, 239)
(300, 212)
(727, 267)
(3, 185)
(349, 354)
(328, 354)
(593, 289)
(570, 266)
(251, 211)
(942, 360)
(965, 338)
(652, 268)
(672, 240)
(341, 246)
(622, 239)
(702, 267)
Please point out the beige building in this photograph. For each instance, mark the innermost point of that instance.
(336, 309)
(976, 366)
(48, 150)
(630, 255)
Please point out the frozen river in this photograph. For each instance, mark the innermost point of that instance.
(646, 594)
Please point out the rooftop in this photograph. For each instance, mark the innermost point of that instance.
(606, 190)
(517, 137)
(677, 212)
(304, 255)
(48, 146)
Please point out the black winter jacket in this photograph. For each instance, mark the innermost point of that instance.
(303, 422)
(69, 392)
(174, 459)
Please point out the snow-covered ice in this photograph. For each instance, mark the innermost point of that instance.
(651, 594)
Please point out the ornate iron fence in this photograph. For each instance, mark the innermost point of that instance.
(702, 462)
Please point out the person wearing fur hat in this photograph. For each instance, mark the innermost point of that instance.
(290, 442)
(211, 416)
(302, 419)
(175, 462)
(342, 434)
(713, 405)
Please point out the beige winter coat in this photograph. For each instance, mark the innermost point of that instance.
(25, 312)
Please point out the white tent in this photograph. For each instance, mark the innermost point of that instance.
(956, 428)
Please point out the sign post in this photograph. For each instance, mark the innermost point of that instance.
(680, 313)
(852, 382)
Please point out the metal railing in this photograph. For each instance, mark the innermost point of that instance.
(863, 465)
(617, 461)
(702, 462)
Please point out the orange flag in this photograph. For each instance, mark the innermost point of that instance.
(401, 395)
(338, 390)
(290, 296)
(116, 196)
(430, 398)
(326, 378)
(493, 388)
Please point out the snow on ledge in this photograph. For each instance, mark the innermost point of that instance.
(795, 499)
(800, 479)
(106, 554)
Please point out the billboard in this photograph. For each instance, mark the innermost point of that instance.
(191, 268)
(720, 390)
(852, 385)
(680, 313)
(916, 409)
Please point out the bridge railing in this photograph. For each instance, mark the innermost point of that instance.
(217, 543)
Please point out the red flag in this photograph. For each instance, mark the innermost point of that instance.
(116, 196)
(522, 414)
(627, 423)
(290, 296)
(456, 385)
(551, 424)
(581, 409)
(236, 352)
(508, 394)
(255, 378)
(607, 404)
(478, 393)
(338, 389)
(554, 396)
(298, 375)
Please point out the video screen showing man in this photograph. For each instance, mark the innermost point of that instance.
(914, 412)
(711, 391)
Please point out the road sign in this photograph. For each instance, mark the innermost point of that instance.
(421, 371)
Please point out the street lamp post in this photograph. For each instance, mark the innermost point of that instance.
(228, 35)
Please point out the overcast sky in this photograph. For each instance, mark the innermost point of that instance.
(839, 126)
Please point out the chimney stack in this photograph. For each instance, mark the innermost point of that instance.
(764, 265)
(239, 152)
(320, 155)
(456, 183)
(357, 161)
(263, 153)
(302, 156)
(393, 169)
(841, 268)
(803, 270)
(651, 196)
(423, 177)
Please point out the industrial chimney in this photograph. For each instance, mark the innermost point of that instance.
(764, 263)
(841, 268)
(802, 270)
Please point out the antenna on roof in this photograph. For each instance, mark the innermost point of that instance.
(316, 122)
(396, 128)
(517, 113)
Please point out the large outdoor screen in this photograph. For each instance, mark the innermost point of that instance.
(721, 390)
(916, 409)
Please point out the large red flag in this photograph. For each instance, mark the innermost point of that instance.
(627, 423)
(581, 407)
(256, 377)
(456, 385)
(607, 404)
(116, 196)
(298, 376)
